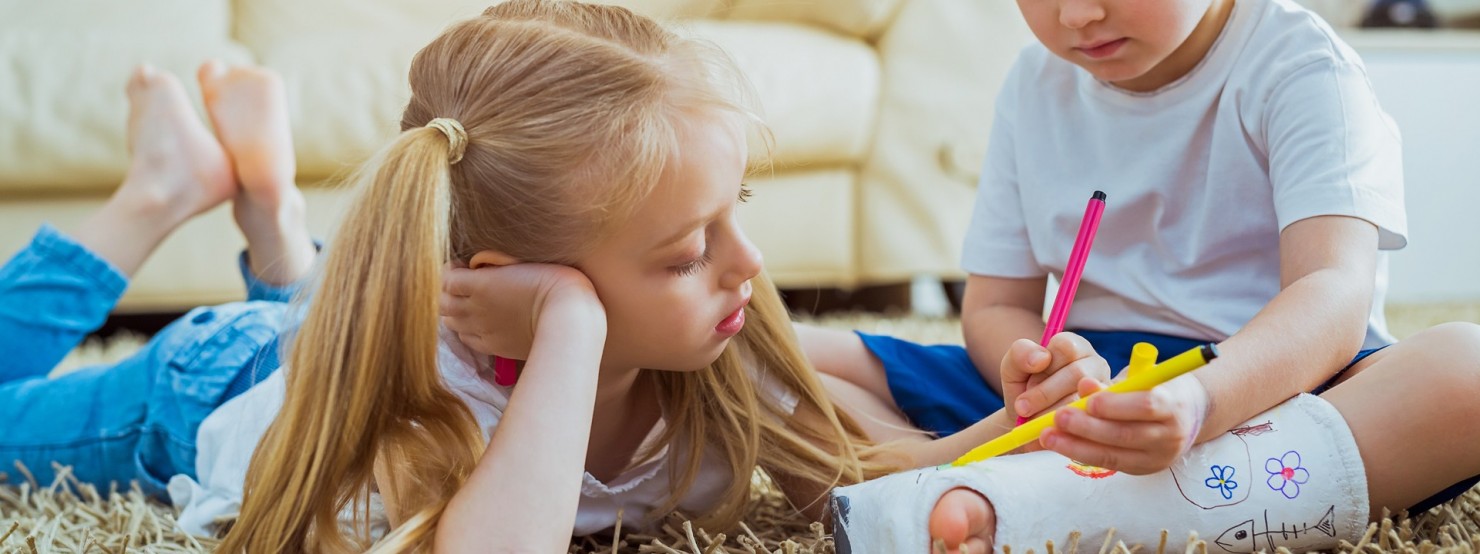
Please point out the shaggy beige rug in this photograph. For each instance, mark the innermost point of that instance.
(64, 517)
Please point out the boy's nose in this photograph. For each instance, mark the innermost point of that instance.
(1076, 14)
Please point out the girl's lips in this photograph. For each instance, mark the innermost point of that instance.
(735, 322)
(1103, 49)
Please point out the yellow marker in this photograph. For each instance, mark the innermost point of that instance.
(1143, 356)
(1138, 378)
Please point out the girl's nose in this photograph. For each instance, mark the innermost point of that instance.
(746, 263)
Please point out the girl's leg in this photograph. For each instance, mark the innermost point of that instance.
(56, 291)
(176, 171)
(896, 388)
(841, 354)
(249, 108)
(1409, 407)
(855, 380)
(137, 420)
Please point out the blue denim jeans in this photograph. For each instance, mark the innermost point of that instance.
(133, 420)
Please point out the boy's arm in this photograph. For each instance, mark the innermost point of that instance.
(1311, 329)
(995, 312)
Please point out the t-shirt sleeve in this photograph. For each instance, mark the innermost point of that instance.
(996, 242)
(1334, 151)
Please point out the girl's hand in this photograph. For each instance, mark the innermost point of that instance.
(496, 310)
(1037, 379)
(1134, 432)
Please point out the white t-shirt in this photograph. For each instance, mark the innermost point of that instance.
(1277, 124)
(228, 437)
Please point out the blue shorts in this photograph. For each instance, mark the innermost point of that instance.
(940, 390)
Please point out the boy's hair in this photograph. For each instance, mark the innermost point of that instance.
(570, 112)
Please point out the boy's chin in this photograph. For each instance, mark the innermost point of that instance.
(1116, 74)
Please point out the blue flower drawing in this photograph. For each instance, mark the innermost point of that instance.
(1286, 475)
(1222, 480)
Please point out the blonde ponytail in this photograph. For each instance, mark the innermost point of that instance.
(362, 378)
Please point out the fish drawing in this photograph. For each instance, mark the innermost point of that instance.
(1245, 536)
(1254, 430)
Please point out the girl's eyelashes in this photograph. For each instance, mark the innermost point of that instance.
(693, 267)
(704, 259)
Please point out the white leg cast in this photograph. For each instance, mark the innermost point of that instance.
(1289, 477)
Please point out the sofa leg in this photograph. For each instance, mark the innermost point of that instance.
(892, 298)
(955, 292)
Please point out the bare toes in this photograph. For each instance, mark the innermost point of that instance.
(209, 74)
(138, 80)
(963, 520)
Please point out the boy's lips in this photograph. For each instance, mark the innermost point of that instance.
(1101, 49)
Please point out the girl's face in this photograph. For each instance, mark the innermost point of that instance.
(676, 277)
(1115, 40)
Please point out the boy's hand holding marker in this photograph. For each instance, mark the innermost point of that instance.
(1035, 380)
(1139, 432)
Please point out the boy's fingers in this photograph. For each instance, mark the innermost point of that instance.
(1067, 347)
(1028, 357)
(1091, 453)
(1090, 385)
(1054, 388)
(1137, 436)
(1152, 405)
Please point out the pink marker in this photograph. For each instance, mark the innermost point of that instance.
(1070, 283)
(505, 371)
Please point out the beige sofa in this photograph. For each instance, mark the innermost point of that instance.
(880, 109)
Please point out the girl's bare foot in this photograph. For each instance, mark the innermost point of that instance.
(249, 108)
(176, 170)
(963, 521)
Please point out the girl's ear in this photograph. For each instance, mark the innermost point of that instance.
(491, 258)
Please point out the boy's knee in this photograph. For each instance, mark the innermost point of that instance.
(1454, 347)
(1459, 339)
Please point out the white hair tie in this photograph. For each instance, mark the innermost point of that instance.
(457, 137)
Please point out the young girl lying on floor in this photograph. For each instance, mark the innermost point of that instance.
(581, 160)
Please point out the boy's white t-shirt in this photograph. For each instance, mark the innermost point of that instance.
(228, 437)
(1278, 123)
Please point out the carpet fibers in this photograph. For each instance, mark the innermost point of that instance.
(67, 517)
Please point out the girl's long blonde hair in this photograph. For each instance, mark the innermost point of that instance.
(569, 111)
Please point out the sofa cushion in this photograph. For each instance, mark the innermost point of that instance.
(262, 22)
(347, 88)
(63, 110)
(822, 107)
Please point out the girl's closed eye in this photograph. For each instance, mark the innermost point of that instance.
(695, 265)
(689, 268)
